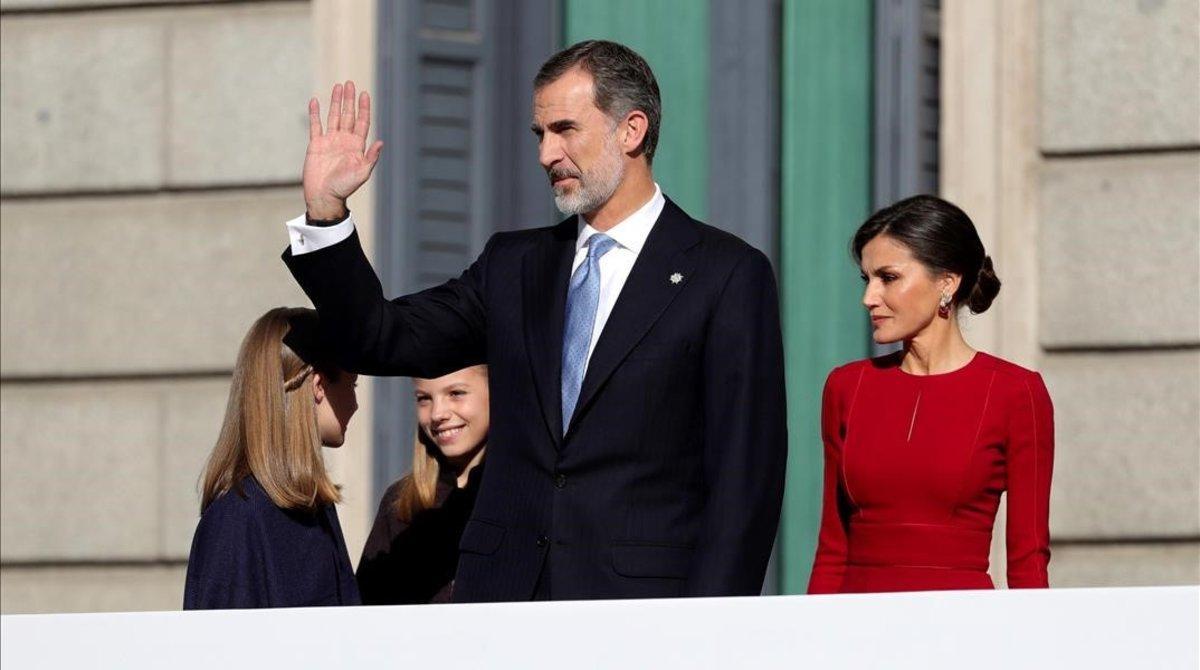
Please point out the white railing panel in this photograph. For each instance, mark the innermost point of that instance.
(1062, 628)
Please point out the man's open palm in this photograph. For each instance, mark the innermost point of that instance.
(338, 162)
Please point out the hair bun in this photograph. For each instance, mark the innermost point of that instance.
(987, 287)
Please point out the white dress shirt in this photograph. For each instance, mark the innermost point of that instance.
(615, 266)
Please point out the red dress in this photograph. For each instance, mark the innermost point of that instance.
(914, 469)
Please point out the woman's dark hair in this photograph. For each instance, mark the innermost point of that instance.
(940, 236)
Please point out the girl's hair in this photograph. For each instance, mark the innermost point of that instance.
(418, 489)
(270, 428)
(940, 236)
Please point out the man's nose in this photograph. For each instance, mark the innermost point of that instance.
(549, 151)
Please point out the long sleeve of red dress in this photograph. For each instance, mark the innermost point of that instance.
(830, 562)
(1030, 461)
(914, 470)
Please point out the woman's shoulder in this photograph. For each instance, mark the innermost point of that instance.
(1014, 384)
(1007, 371)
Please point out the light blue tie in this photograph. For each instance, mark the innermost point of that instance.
(582, 298)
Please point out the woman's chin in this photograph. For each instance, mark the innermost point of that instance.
(882, 337)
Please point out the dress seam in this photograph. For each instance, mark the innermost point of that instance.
(1034, 526)
(964, 478)
(846, 439)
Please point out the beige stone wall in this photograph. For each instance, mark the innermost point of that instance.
(151, 152)
(1071, 133)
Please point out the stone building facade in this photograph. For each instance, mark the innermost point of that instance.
(152, 150)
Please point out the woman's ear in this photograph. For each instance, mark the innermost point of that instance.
(950, 283)
(318, 386)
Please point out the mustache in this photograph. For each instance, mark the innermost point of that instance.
(561, 173)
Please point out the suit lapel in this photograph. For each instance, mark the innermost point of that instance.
(545, 276)
(646, 294)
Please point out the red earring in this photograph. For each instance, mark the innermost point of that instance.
(944, 306)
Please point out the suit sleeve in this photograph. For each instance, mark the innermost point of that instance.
(226, 567)
(829, 566)
(425, 334)
(745, 435)
(1030, 464)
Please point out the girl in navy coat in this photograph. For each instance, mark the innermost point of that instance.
(268, 534)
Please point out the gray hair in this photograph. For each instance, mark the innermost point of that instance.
(622, 81)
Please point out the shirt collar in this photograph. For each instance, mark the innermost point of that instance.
(631, 233)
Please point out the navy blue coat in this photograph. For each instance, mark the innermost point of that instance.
(249, 553)
(668, 480)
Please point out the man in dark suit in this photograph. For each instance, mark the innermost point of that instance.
(638, 433)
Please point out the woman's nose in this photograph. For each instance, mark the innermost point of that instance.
(870, 297)
(441, 411)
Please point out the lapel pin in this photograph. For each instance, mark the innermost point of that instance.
(676, 278)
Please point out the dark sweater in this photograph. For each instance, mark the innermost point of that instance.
(406, 563)
(249, 553)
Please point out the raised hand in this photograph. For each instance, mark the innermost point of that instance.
(337, 162)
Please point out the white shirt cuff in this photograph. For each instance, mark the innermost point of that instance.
(307, 239)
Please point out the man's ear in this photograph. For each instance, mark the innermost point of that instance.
(633, 130)
(318, 386)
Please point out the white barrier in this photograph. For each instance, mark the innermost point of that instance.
(1066, 628)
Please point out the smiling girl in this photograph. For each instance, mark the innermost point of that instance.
(412, 552)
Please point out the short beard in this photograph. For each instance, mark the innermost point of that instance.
(596, 185)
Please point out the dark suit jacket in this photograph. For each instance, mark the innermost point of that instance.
(249, 553)
(669, 479)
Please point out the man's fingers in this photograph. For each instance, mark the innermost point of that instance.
(371, 158)
(314, 119)
(362, 124)
(373, 154)
(335, 108)
(347, 120)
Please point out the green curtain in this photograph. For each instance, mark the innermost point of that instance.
(826, 188)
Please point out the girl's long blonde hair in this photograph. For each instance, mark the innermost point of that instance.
(418, 489)
(270, 427)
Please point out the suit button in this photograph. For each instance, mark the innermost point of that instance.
(543, 541)
(560, 481)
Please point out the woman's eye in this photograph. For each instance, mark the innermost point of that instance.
(422, 400)
(458, 393)
(887, 279)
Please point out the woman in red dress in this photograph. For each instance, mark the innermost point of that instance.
(920, 444)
